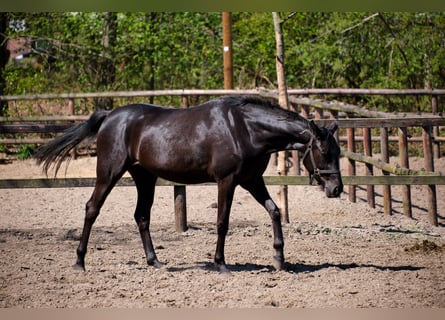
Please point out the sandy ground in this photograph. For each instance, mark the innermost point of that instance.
(338, 253)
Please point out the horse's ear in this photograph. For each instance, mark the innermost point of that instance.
(333, 127)
(315, 129)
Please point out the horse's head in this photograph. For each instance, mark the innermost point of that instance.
(321, 159)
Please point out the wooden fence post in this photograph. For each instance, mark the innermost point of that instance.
(185, 101)
(318, 113)
(180, 208)
(305, 114)
(429, 166)
(404, 162)
(180, 197)
(333, 114)
(283, 101)
(435, 110)
(282, 193)
(305, 111)
(367, 144)
(385, 157)
(71, 112)
(295, 169)
(351, 163)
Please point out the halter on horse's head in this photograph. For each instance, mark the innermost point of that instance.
(321, 158)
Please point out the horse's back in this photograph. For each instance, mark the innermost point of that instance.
(176, 144)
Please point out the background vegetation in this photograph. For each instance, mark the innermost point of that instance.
(106, 51)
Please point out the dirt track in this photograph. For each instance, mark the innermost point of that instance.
(338, 253)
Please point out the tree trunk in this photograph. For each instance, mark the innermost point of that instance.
(149, 19)
(106, 70)
(283, 101)
(227, 50)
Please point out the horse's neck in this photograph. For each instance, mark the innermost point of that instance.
(283, 133)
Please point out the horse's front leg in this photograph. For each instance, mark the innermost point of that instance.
(258, 190)
(278, 241)
(226, 189)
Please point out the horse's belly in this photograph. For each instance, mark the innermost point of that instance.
(181, 169)
(186, 177)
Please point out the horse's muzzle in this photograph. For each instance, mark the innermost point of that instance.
(333, 190)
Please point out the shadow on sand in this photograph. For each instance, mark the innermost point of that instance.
(291, 267)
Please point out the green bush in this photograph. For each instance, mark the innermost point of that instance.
(26, 151)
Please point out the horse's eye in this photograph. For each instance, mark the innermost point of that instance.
(324, 151)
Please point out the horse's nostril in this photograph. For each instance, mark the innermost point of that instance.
(336, 191)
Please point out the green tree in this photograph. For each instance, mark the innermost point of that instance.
(97, 51)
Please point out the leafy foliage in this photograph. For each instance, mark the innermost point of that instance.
(25, 151)
(145, 51)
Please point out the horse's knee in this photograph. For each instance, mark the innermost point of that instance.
(275, 215)
(142, 222)
(91, 215)
(273, 210)
(88, 206)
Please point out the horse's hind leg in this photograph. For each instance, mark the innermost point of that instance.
(258, 190)
(226, 189)
(104, 184)
(145, 184)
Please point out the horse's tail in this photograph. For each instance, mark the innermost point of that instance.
(57, 150)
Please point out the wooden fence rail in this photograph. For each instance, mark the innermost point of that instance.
(220, 92)
(269, 180)
(429, 123)
(179, 190)
(33, 125)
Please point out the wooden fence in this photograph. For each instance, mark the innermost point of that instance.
(430, 139)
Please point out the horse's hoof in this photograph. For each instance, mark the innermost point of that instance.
(156, 264)
(278, 263)
(222, 268)
(79, 267)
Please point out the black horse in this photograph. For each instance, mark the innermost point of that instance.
(226, 140)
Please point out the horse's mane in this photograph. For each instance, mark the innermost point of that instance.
(271, 103)
(268, 103)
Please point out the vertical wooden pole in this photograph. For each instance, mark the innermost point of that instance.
(429, 166)
(71, 112)
(318, 113)
(404, 162)
(305, 114)
(227, 50)
(305, 111)
(180, 196)
(334, 115)
(283, 101)
(282, 193)
(185, 102)
(435, 110)
(351, 164)
(385, 157)
(367, 144)
(295, 170)
(179, 193)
